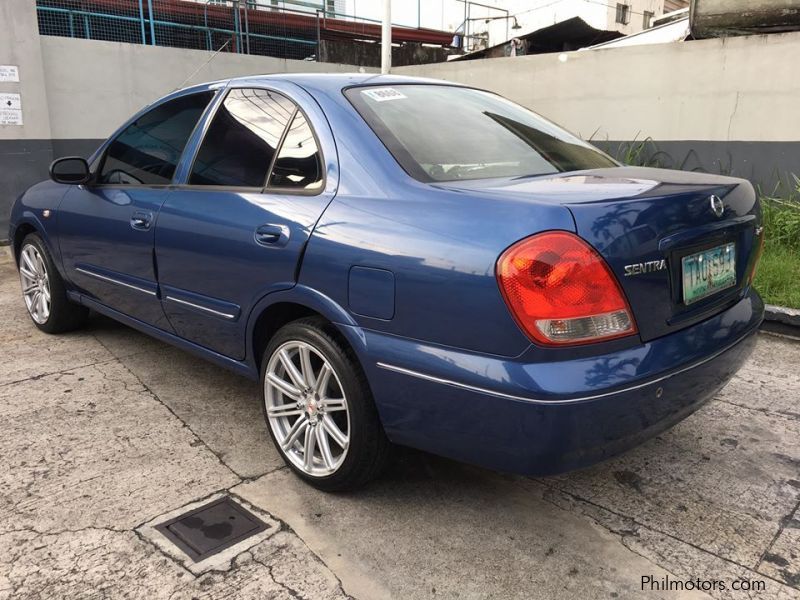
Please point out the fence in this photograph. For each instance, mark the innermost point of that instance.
(240, 26)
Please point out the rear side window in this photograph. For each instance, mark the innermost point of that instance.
(242, 139)
(447, 133)
(298, 165)
(148, 150)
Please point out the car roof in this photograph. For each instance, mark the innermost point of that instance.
(325, 82)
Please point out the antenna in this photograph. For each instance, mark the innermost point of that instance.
(201, 67)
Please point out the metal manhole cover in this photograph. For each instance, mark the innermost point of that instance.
(211, 528)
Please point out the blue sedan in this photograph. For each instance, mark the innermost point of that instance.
(403, 261)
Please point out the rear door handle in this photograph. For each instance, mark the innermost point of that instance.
(272, 235)
(141, 220)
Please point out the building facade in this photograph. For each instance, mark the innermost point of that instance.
(625, 16)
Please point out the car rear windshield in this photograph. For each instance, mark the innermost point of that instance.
(446, 133)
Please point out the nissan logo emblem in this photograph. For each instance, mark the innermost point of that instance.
(717, 206)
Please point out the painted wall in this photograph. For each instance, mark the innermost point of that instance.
(20, 153)
(93, 87)
(720, 105)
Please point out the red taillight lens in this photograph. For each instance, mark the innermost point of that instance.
(561, 291)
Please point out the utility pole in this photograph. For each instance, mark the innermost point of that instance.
(386, 37)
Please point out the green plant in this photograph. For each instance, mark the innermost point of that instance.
(781, 217)
(778, 276)
(638, 153)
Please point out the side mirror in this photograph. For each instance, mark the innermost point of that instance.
(72, 170)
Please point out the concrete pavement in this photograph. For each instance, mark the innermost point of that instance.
(104, 430)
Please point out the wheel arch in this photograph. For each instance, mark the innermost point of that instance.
(280, 308)
(29, 223)
(22, 231)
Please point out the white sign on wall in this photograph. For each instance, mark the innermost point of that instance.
(9, 73)
(10, 109)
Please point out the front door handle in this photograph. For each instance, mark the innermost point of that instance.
(272, 235)
(141, 220)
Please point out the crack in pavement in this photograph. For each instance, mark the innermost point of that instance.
(765, 411)
(66, 371)
(781, 527)
(624, 533)
(172, 412)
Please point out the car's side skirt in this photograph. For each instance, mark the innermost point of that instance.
(240, 367)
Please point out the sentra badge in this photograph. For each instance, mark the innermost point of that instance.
(651, 266)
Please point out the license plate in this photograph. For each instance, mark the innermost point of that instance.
(708, 272)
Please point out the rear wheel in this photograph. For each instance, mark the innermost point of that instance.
(319, 409)
(44, 291)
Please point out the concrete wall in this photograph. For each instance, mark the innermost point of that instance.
(720, 105)
(76, 92)
(93, 87)
(20, 153)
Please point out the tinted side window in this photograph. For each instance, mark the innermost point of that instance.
(147, 151)
(298, 164)
(241, 141)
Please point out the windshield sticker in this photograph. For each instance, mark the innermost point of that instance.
(383, 94)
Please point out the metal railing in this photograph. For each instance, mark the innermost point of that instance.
(243, 26)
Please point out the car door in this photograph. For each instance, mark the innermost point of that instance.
(106, 227)
(235, 228)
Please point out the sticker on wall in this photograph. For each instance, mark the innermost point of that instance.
(383, 94)
(9, 73)
(10, 109)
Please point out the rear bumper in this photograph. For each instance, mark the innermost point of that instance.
(545, 418)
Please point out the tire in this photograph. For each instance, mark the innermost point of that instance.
(296, 411)
(39, 274)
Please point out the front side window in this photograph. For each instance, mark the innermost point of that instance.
(148, 150)
(242, 139)
(447, 133)
(299, 165)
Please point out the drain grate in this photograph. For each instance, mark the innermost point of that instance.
(212, 528)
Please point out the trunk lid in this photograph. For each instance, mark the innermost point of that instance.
(645, 222)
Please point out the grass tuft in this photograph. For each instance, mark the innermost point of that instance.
(778, 276)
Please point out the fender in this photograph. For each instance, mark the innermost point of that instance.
(30, 217)
(28, 209)
(314, 300)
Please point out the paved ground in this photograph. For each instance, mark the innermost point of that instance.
(105, 430)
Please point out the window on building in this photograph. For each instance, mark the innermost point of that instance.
(623, 13)
(148, 150)
(647, 19)
(242, 139)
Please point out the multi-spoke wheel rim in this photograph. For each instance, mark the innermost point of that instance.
(307, 409)
(35, 283)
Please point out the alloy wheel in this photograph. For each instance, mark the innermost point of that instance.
(35, 283)
(307, 408)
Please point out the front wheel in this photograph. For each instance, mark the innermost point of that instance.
(319, 408)
(44, 291)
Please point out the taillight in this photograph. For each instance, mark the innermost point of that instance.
(561, 291)
(759, 234)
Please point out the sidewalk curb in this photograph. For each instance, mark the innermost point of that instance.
(782, 314)
(782, 321)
